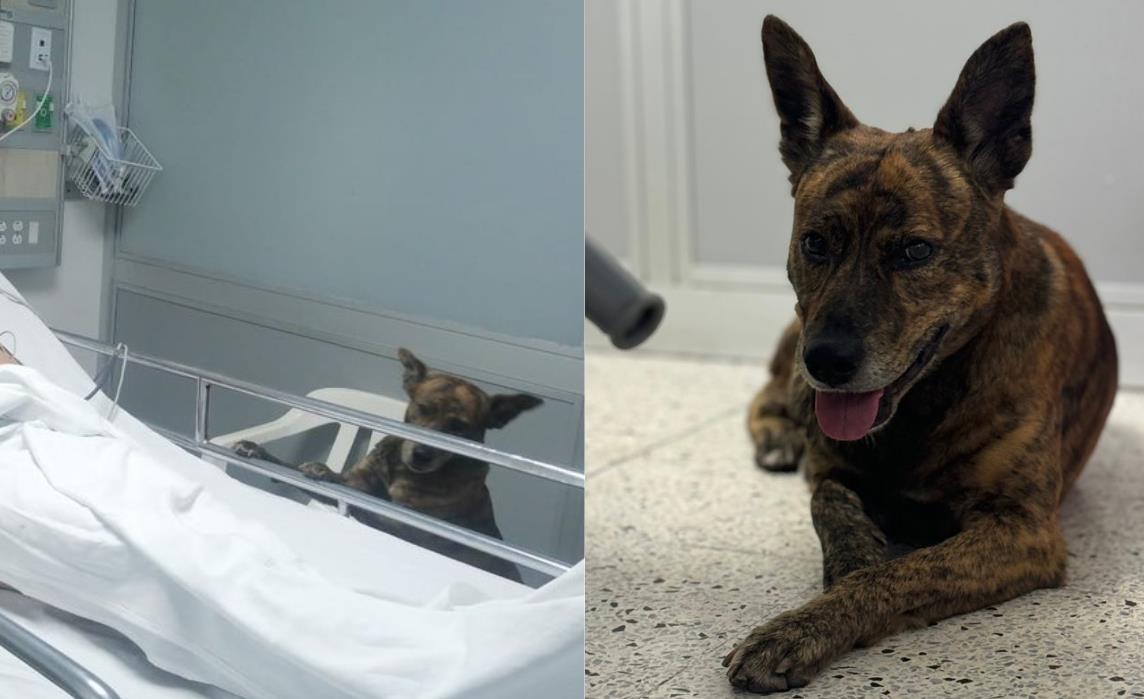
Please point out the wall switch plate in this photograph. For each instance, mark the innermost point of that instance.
(41, 49)
(7, 41)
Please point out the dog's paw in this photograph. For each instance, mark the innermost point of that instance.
(780, 446)
(250, 450)
(318, 471)
(785, 653)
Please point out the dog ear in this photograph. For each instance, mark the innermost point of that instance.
(987, 118)
(415, 370)
(809, 110)
(505, 408)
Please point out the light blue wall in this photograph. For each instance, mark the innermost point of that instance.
(422, 157)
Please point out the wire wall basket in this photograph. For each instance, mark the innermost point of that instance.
(101, 176)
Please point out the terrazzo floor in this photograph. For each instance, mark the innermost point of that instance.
(689, 546)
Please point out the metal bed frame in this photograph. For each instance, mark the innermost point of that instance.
(61, 670)
(82, 684)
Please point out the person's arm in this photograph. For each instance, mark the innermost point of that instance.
(7, 357)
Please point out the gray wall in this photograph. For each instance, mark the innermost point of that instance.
(606, 207)
(894, 62)
(427, 194)
(422, 157)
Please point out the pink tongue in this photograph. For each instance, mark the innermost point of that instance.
(846, 416)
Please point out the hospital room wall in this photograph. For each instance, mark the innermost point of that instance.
(299, 245)
(685, 181)
(74, 295)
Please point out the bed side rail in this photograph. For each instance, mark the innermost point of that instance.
(45, 659)
(205, 380)
(390, 511)
(347, 497)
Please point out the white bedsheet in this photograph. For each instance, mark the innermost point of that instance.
(224, 584)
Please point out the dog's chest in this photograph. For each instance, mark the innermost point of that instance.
(904, 483)
(911, 504)
(911, 519)
(463, 501)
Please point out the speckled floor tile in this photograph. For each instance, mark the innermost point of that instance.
(658, 624)
(1120, 453)
(1050, 643)
(689, 546)
(702, 491)
(639, 400)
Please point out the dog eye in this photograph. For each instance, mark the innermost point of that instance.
(917, 251)
(814, 246)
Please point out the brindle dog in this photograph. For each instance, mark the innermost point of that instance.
(949, 371)
(431, 481)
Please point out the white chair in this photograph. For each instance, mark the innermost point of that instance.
(297, 421)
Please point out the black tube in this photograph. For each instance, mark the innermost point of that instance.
(616, 302)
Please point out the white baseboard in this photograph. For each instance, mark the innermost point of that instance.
(1128, 326)
(745, 323)
(731, 323)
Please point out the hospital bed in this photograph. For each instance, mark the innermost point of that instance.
(80, 658)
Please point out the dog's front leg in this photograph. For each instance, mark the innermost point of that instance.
(779, 440)
(850, 539)
(996, 556)
(320, 472)
(252, 450)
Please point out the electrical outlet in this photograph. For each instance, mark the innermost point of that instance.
(41, 53)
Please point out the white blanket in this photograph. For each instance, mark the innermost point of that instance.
(91, 523)
(114, 527)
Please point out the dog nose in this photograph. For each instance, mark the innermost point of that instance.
(834, 360)
(422, 453)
